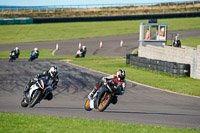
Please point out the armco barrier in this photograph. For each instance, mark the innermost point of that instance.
(176, 69)
(115, 18)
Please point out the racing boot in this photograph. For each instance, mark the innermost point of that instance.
(92, 93)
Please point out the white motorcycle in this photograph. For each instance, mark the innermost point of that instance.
(38, 91)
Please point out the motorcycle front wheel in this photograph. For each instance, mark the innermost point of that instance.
(24, 103)
(35, 98)
(87, 105)
(104, 101)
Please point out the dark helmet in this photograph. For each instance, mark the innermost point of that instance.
(121, 74)
(53, 71)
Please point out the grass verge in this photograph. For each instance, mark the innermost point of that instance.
(192, 41)
(65, 31)
(21, 123)
(110, 65)
(44, 54)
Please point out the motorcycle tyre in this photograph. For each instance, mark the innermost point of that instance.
(107, 102)
(36, 100)
(23, 104)
(87, 105)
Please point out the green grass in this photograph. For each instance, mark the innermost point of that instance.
(25, 54)
(21, 123)
(65, 31)
(192, 42)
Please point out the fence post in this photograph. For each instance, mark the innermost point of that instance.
(194, 64)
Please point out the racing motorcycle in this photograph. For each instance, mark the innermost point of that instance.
(102, 98)
(12, 57)
(38, 91)
(33, 56)
(81, 53)
(78, 54)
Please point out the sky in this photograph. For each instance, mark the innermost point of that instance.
(77, 2)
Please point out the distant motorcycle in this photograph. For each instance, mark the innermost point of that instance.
(12, 57)
(33, 56)
(81, 52)
(38, 91)
(102, 98)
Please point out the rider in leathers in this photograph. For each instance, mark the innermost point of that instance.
(118, 79)
(51, 75)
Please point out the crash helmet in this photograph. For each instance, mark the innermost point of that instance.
(53, 71)
(35, 49)
(121, 74)
(83, 47)
(16, 48)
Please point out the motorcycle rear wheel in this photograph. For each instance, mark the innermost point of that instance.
(104, 101)
(87, 105)
(36, 98)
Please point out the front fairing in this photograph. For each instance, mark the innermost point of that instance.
(42, 84)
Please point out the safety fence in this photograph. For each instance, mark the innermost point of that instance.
(174, 68)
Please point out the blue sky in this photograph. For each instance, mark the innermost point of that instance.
(76, 2)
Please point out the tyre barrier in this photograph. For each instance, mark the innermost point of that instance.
(174, 68)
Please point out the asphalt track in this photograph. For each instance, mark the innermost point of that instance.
(140, 104)
(111, 44)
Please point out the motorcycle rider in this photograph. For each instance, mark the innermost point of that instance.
(17, 52)
(81, 52)
(118, 79)
(12, 55)
(36, 51)
(50, 75)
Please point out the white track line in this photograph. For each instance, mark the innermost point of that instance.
(134, 81)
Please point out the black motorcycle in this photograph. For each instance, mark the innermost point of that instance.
(12, 57)
(102, 98)
(33, 56)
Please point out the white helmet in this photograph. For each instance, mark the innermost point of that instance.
(53, 71)
(35, 49)
(83, 47)
(16, 48)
